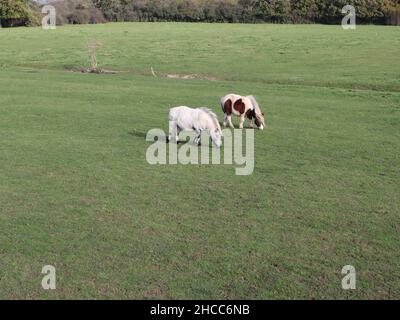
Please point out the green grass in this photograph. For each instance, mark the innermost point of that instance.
(76, 191)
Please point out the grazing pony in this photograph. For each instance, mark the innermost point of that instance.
(243, 107)
(198, 120)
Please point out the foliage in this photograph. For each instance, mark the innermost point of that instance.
(78, 12)
(242, 11)
(275, 11)
(17, 13)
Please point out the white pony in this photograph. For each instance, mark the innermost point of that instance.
(198, 120)
(243, 107)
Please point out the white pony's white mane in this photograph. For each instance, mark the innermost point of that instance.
(213, 117)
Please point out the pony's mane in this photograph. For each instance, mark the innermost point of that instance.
(257, 108)
(213, 117)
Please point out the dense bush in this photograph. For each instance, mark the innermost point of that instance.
(78, 12)
(18, 13)
(392, 9)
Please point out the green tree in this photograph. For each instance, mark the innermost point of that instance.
(17, 13)
(303, 11)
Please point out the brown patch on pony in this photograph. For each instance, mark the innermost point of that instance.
(250, 114)
(239, 106)
(228, 107)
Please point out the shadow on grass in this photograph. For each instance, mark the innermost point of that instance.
(138, 133)
(143, 135)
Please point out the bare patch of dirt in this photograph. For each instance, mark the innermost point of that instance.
(183, 76)
(91, 70)
(191, 76)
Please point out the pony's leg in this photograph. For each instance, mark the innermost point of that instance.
(178, 132)
(173, 131)
(242, 119)
(252, 124)
(225, 120)
(229, 119)
(197, 139)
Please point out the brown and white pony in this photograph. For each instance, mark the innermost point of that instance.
(243, 107)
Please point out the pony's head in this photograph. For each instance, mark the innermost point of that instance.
(258, 114)
(214, 127)
(260, 121)
(216, 136)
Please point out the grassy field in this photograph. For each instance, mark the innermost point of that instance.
(76, 190)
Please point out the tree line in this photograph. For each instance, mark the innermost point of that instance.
(248, 11)
(25, 12)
